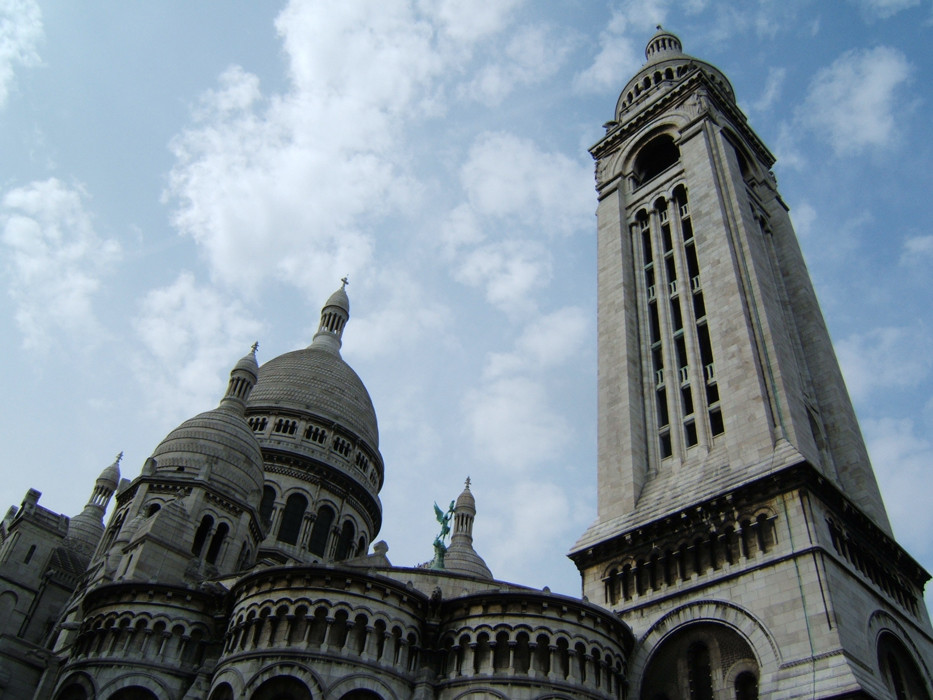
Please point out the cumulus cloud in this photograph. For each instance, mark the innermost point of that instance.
(620, 54)
(533, 54)
(772, 90)
(470, 21)
(512, 421)
(546, 342)
(885, 358)
(901, 456)
(20, 33)
(525, 195)
(917, 249)
(537, 517)
(400, 316)
(508, 271)
(192, 335)
(852, 103)
(258, 184)
(507, 176)
(882, 9)
(54, 260)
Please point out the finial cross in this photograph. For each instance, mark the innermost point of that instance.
(255, 347)
(467, 482)
(345, 280)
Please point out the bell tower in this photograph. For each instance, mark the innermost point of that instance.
(740, 530)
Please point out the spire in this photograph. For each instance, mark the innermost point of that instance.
(243, 378)
(86, 528)
(334, 317)
(460, 556)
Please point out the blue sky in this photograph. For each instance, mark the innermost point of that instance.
(180, 179)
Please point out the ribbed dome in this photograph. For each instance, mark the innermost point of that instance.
(217, 446)
(316, 380)
(86, 528)
(339, 299)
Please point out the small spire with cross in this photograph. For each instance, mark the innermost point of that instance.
(346, 280)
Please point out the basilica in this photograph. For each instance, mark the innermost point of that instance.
(740, 549)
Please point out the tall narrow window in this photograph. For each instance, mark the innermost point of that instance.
(216, 542)
(291, 518)
(267, 504)
(207, 522)
(345, 543)
(321, 530)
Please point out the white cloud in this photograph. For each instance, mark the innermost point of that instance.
(620, 56)
(852, 103)
(546, 342)
(259, 185)
(537, 517)
(54, 260)
(192, 337)
(471, 21)
(508, 271)
(902, 458)
(20, 32)
(885, 358)
(772, 90)
(882, 9)
(509, 176)
(398, 317)
(804, 216)
(512, 424)
(533, 54)
(917, 250)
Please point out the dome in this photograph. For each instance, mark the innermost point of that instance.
(110, 477)
(339, 299)
(217, 446)
(663, 44)
(316, 380)
(86, 528)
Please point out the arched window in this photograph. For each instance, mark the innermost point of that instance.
(900, 671)
(361, 695)
(224, 691)
(319, 533)
(291, 518)
(282, 688)
(134, 692)
(345, 544)
(702, 661)
(655, 157)
(267, 504)
(216, 542)
(746, 686)
(207, 522)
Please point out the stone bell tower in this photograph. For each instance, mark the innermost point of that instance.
(740, 530)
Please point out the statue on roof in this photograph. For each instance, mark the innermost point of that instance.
(439, 547)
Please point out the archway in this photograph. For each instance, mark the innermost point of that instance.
(282, 688)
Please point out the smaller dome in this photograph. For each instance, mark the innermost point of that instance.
(110, 477)
(86, 528)
(663, 45)
(248, 362)
(339, 299)
(218, 447)
(465, 499)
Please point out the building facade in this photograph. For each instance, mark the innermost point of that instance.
(741, 548)
(740, 529)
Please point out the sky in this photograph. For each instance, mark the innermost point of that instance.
(181, 179)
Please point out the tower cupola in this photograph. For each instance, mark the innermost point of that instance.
(460, 555)
(86, 528)
(334, 317)
(663, 45)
